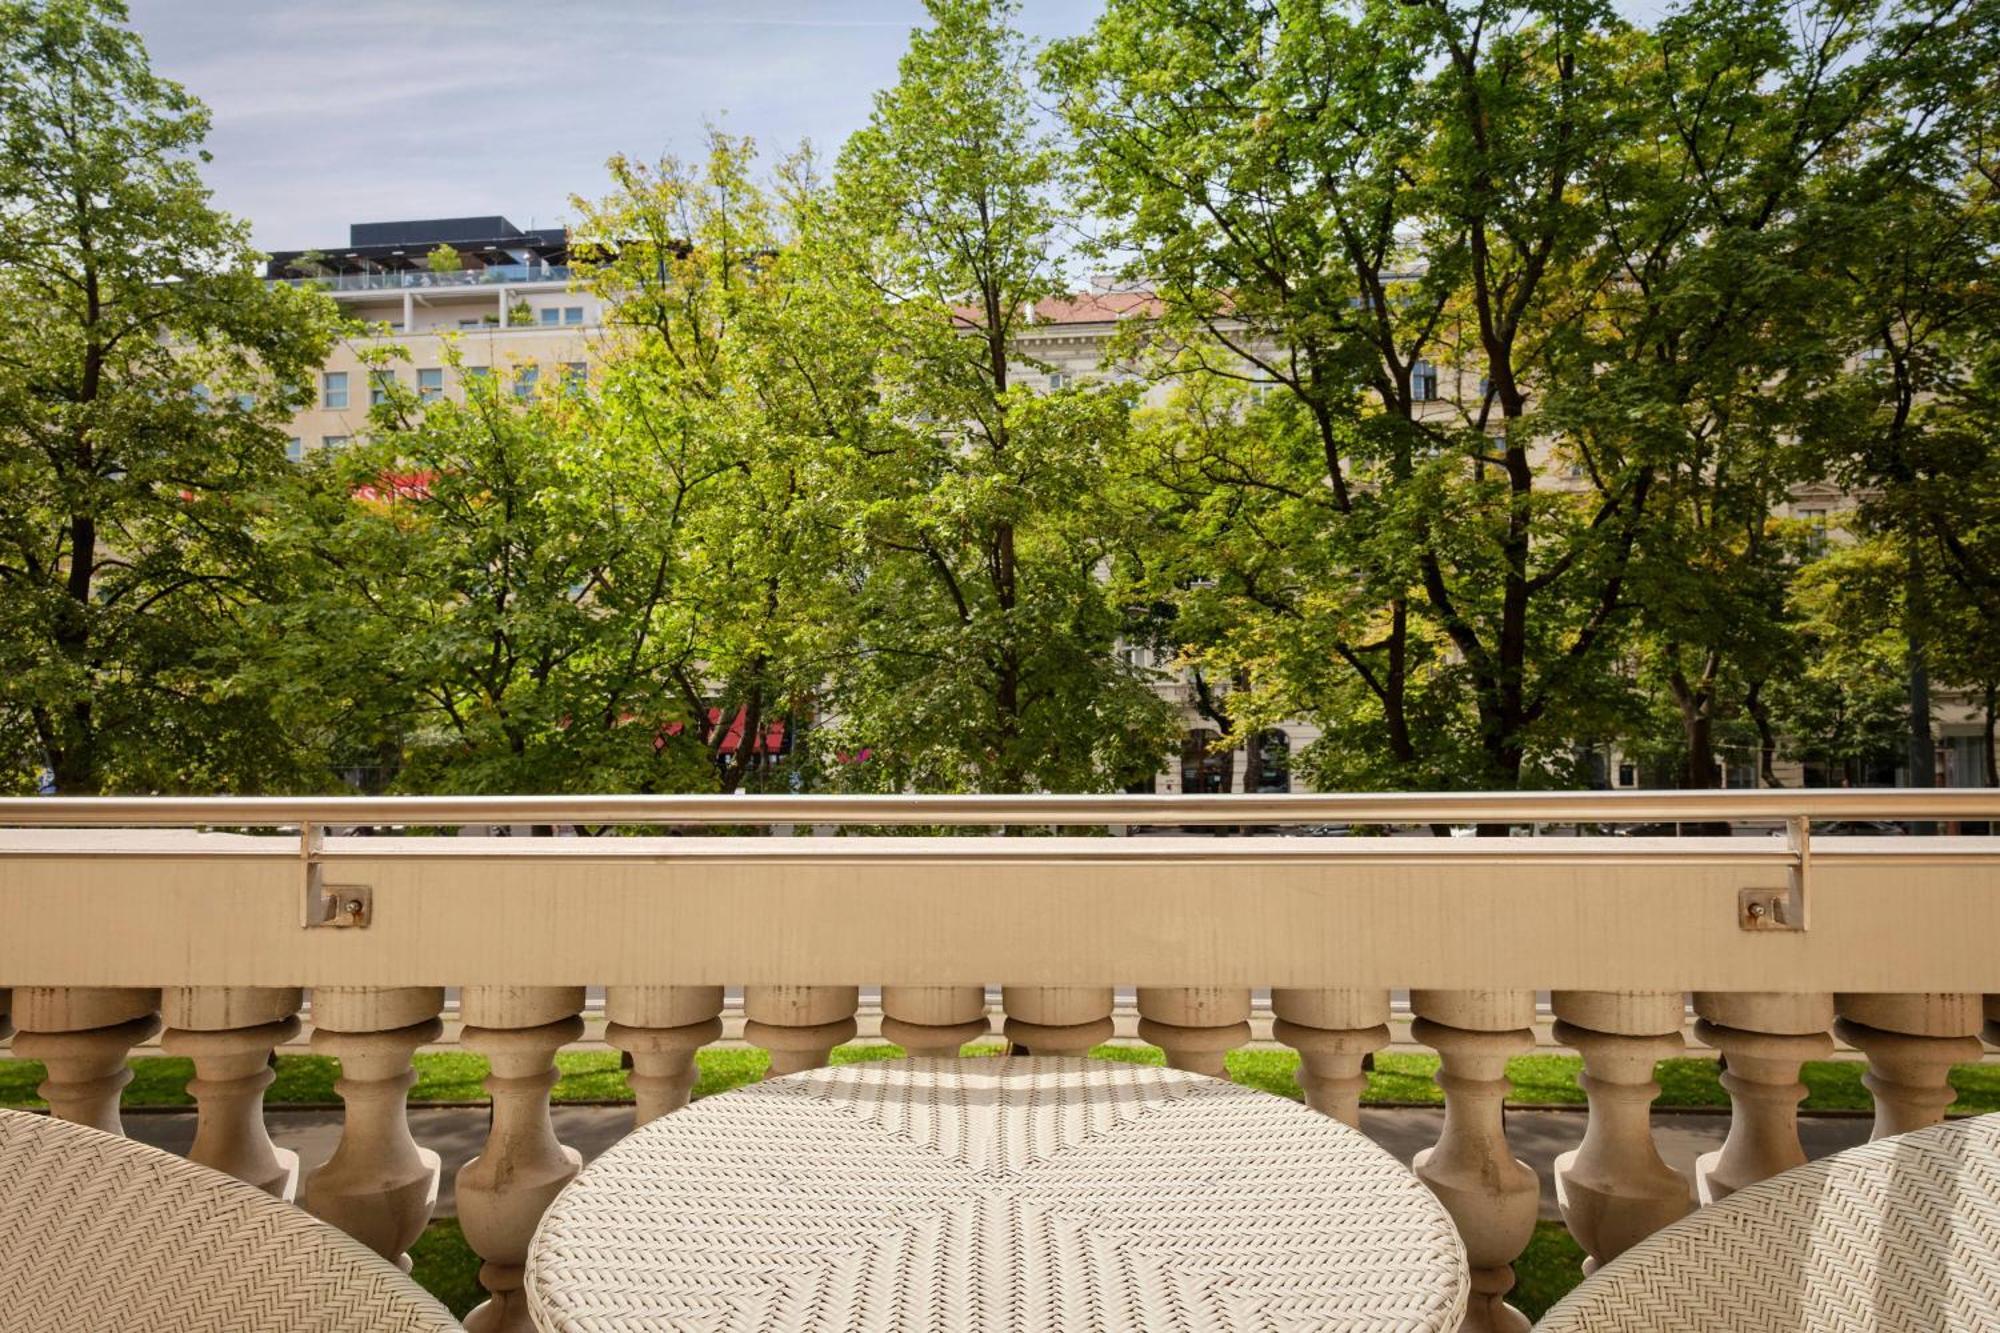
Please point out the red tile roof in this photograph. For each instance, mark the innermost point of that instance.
(1077, 308)
(1095, 308)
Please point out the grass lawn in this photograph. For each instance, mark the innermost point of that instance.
(1398, 1078)
(449, 1269)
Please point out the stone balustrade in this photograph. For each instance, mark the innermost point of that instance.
(1637, 945)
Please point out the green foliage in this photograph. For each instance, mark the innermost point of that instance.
(1611, 247)
(981, 635)
(1498, 336)
(1840, 706)
(145, 381)
(478, 596)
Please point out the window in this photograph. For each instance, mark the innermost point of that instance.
(333, 388)
(1058, 381)
(576, 375)
(1424, 382)
(332, 443)
(573, 314)
(470, 323)
(1274, 761)
(430, 384)
(1628, 773)
(380, 382)
(1816, 538)
(1203, 771)
(551, 316)
(295, 450)
(524, 381)
(474, 372)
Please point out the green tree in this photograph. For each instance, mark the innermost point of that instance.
(145, 380)
(1705, 354)
(583, 587)
(740, 382)
(1840, 710)
(983, 633)
(1913, 426)
(468, 605)
(1350, 206)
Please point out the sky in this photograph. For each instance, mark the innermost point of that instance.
(373, 110)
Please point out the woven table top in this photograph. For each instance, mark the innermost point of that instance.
(1901, 1235)
(990, 1194)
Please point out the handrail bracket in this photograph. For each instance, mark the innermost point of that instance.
(1786, 908)
(321, 903)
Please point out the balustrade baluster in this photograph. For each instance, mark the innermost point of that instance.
(380, 1185)
(934, 1020)
(1614, 1188)
(1490, 1194)
(1764, 1038)
(1057, 1020)
(1197, 1026)
(1334, 1032)
(503, 1192)
(82, 1035)
(229, 1033)
(661, 1028)
(799, 1025)
(1911, 1042)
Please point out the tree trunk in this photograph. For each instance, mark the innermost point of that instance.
(1923, 748)
(1767, 735)
(1699, 771)
(1992, 733)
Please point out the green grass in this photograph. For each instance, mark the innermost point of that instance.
(445, 1266)
(1398, 1078)
(1546, 1270)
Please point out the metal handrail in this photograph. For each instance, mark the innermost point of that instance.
(1764, 805)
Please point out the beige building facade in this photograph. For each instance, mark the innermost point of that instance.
(496, 297)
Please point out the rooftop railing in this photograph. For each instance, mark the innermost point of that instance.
(213, 916)
(492, 275)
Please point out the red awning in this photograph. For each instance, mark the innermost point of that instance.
(771, 741)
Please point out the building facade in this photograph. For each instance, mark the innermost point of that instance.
(499, 296)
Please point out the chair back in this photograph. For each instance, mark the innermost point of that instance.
(98, 1232)
(1894, 1236)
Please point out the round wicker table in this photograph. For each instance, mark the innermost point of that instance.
(989, 1194)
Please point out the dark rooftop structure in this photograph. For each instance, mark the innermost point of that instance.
(392, 247)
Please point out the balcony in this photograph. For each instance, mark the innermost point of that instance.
(217, 918)
(494, 275)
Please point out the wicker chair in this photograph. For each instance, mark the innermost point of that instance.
(1895, 1236)
(98, 1233)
